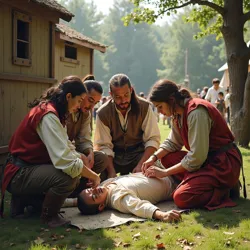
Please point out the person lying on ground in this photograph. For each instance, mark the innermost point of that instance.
(131, 194)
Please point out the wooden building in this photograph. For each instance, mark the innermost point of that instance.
(35, 53)
(74, 52)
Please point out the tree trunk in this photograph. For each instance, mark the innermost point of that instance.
(237, 58)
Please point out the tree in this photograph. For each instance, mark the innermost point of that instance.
(133, 49)
(221, 17)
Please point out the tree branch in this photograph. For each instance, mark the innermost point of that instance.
(246, 16)
(214, 6)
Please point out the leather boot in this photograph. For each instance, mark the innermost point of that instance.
(51, 207)
(235, 191)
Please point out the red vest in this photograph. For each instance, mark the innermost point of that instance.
(220, 134)
(25, 142)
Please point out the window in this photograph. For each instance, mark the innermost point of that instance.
(70, 52)
(21, 39)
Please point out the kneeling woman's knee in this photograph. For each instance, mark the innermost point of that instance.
(181, 199)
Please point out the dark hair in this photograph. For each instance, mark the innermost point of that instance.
(57, 95)
(163, 89)
(91, 83)
(221, 93)
(141, 94)
(87, 209)
(88, 77)
(119, 80)
(216, 80)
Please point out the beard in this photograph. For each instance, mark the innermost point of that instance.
(123, 106)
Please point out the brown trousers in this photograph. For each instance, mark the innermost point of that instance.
(37, 180)
(125, 162)
(100, 164)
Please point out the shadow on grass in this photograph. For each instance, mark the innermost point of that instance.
(225, 217)
(19, 234)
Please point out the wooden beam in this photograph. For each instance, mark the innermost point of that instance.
(82, 43)
(4, 149)
(26, 78)
(34, 9)
(52, 50)
(91, 70)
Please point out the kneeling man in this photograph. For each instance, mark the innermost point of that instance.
(133, 194)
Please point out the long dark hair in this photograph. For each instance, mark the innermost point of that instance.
(163, 89)
(91, 83)
(120, 80)
(57, 95)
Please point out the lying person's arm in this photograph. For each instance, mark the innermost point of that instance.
(144, 209)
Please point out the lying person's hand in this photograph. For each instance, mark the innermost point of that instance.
(170, 216)
(155, 172)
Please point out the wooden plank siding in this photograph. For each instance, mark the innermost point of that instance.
(15, 97)
(1, 36)
(63, 69)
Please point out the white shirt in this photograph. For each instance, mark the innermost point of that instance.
(136, 194)
(151, 135)
(212, 94)
(227, 100)
(61, 151)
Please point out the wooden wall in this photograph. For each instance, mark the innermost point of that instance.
(63, 69)
(14, 98)
(21, 85)
(39, 45)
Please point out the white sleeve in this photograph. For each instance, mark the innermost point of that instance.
(102, 138)
(151, 135)
(141, 208)
(61, 151)
(208, 95)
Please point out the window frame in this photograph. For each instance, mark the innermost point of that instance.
(24, 18)
(67, 59)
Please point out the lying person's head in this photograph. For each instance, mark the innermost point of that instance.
(92, 201)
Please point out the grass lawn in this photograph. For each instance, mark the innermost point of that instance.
(221, 229)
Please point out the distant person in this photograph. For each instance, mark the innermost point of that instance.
(210, 167)
(204, 92)
(126, 128)
(228, 105)
(220, 104)
(212, 94)
(142, 95)
(131, 194)
(198, 93)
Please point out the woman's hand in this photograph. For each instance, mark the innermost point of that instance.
(93, 183)
(155, 172)
(148, 163)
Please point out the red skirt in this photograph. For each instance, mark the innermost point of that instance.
(209, 186)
